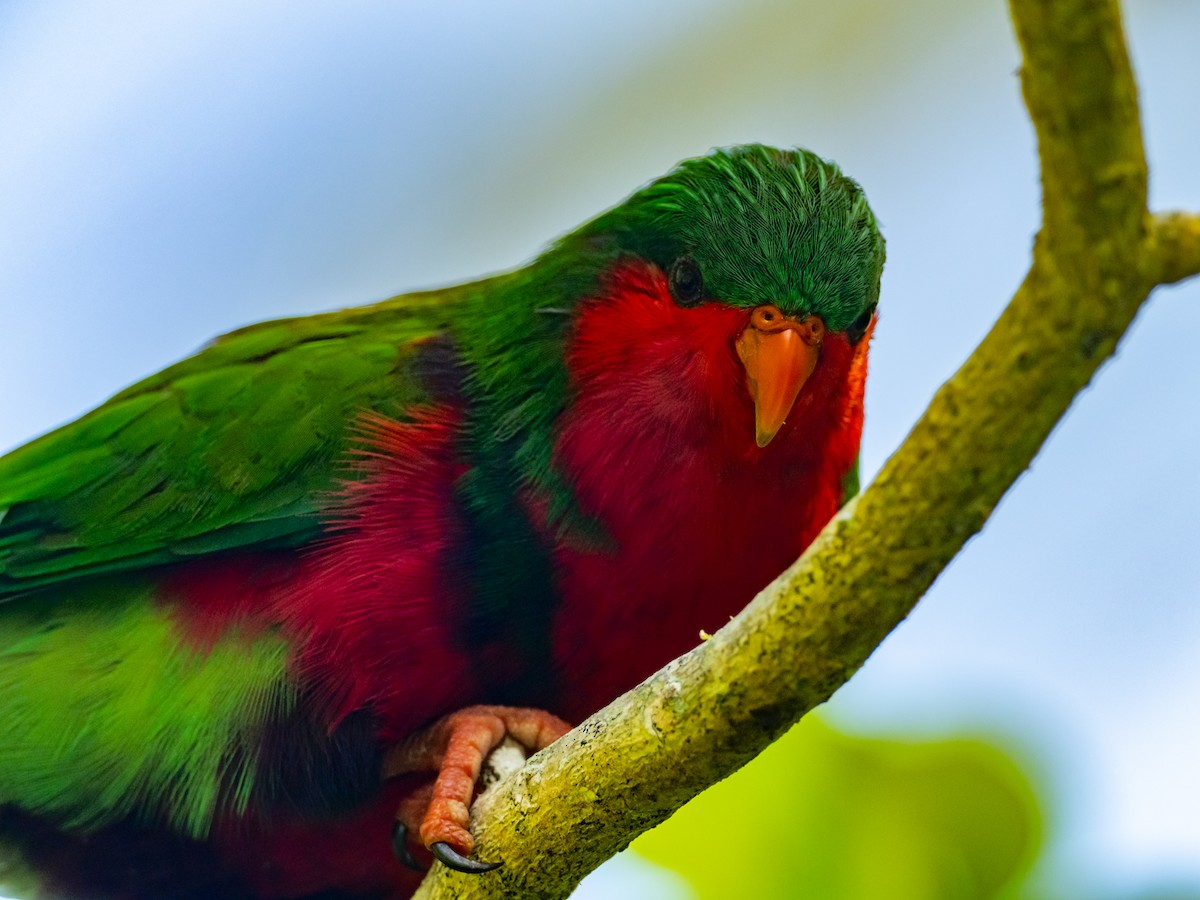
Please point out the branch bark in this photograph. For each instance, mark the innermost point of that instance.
(1175, 247)
(1096, 258)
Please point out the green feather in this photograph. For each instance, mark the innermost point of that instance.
(765, 226)
(851, 483)
(239, 445)
(106, 714)
(243, 444)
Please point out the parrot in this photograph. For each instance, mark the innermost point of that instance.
(264, 613)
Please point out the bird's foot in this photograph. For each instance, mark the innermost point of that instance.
(455, 747)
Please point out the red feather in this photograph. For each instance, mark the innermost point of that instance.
(378, 605)
(373, 607)
(659, 445)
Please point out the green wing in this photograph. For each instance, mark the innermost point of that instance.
(236, 446)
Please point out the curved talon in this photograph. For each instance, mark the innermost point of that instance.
(400, 847)
(452, 859)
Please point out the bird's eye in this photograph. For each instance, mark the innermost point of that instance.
(687, 284)
(859, 326)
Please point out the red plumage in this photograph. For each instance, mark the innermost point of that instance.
(658, 444)
(372, 608)
(553, 480)
(376, 608)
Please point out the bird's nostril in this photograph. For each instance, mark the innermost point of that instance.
(767, 317)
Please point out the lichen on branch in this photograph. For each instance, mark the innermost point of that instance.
(1097, 256)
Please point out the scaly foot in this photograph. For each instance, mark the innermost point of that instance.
(455, 747)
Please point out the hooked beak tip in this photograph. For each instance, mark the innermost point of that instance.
(762, 438)
(778, 362)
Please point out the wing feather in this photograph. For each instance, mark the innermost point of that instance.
(237, 446)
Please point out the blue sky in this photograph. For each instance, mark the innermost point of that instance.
(171, 171)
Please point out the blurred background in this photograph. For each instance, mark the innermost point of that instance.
(171, 171)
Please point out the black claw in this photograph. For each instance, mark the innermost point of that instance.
(452, 859)
(400, 847)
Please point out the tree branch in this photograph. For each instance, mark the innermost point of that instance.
(1080, 92)
(1174, 252)
(1095, 260)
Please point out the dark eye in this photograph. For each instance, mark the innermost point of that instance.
(859, 326)
(687, 284)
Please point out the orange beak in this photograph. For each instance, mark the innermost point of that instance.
(779, 353)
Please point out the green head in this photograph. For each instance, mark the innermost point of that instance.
(754, 225)
(781, 235)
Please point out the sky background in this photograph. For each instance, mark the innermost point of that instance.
(171, 171)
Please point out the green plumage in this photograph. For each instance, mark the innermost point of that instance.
(701, 208)
(162, 731)
(245, 445)
(107, 712)
(169, 469)
(116, 714)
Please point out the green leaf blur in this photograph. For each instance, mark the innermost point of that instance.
(827, 815)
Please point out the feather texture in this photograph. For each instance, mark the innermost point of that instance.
(225, 592)
(108, 715)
